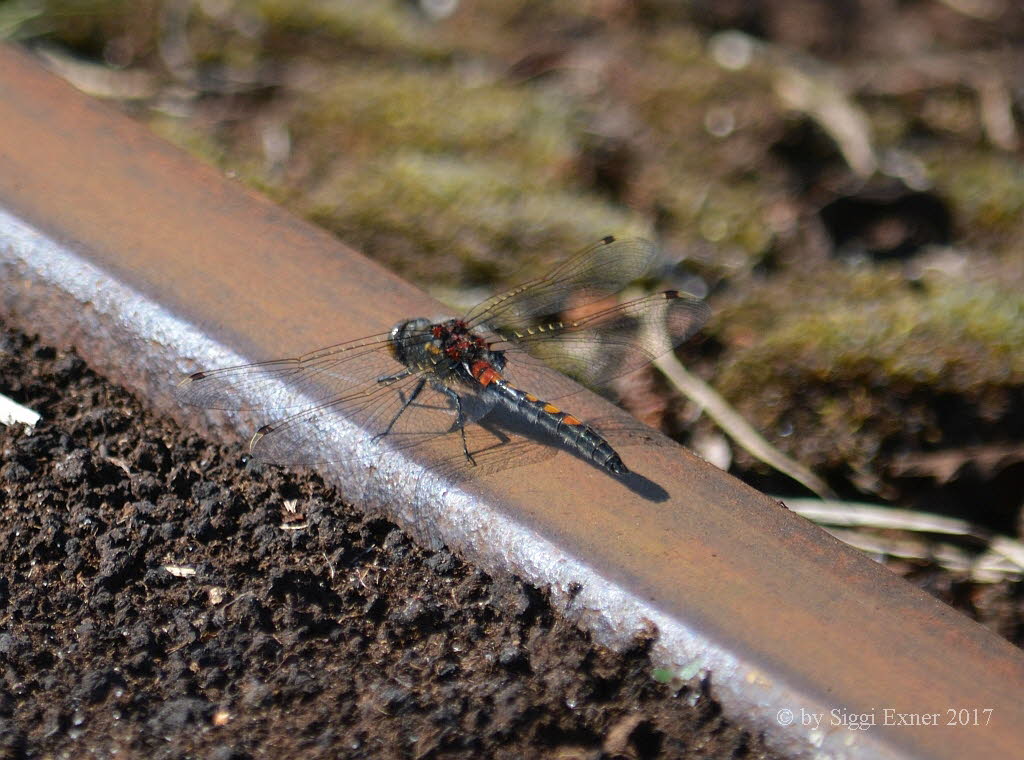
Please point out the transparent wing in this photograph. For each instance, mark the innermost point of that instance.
(401, 414)
(602, 344)
(290, 383)
(596, 272)
(359, 381)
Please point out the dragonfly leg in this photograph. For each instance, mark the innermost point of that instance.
(460, 420)
(405, 405)
(388, 379)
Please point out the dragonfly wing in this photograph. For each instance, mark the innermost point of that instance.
(608, 342)
(596, 272)
(359, 382)
(534, 375)
(291, 383)
(401, 414)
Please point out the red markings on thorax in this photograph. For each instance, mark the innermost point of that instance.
(458, 342)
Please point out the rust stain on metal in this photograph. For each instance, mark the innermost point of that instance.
(154, 265)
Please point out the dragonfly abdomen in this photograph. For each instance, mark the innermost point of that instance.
(573, 432)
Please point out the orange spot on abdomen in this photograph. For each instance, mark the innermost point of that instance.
(484, 373)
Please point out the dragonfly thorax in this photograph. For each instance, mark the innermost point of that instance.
(450, 344)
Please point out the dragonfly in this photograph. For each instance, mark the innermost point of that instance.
(429, 378)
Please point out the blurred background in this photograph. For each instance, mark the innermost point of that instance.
(842, 180)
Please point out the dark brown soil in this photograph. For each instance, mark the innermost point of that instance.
(159, 599)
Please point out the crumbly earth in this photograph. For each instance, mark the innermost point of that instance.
(159, 599)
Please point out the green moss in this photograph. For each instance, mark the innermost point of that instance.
(21, 18)
(986, 191)
(860, 358)
(366, 109)
(84, 26)
(192, 139)
(729, 221)
(437, 210)
(952, 337)
(678, 46)
(379, 25)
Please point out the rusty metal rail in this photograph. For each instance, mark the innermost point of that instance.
(153, 265)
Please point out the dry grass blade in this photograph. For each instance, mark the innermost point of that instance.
(1003, 557)
(821, 97)
(984, 568)
(733, 423)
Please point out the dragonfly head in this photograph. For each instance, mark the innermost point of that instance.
(404, 335)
